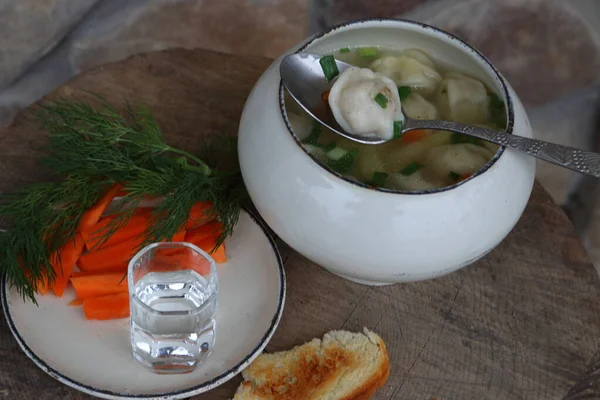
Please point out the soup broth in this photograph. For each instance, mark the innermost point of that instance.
(419, 159)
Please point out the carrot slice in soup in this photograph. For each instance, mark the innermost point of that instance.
(413, 136)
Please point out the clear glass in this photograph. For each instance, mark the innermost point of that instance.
(173, 289)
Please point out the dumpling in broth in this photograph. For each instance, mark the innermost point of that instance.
(463, 158)
(301, 125)
(414, 181)
(406, 70)
(415, 106)
(463, 99)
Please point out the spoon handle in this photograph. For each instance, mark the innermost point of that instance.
(585, 162)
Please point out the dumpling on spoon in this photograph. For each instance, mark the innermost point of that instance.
(366, 103)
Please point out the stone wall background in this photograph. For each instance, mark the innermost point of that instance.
(548, 49)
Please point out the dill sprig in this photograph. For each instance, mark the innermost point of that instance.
(90, 149)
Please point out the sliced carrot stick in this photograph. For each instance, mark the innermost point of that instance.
(207, 244)
(96, 285)
(76, 302)
(112, 306)
(199, 214)
(179, 236)
(91, 216)
(110, 258)
(413, 136)
(64, 263)
(135, 226)
(211, 229)
(180, 259)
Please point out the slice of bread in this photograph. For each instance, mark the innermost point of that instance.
(342, 366)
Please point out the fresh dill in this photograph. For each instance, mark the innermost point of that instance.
(91, 149)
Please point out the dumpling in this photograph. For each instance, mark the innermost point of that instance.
(414, 71)
(365, 103)
(301, 125)
(463, 99)
(369, 162)
(414, 181)
(463, 158)
(420, 56)
(415, 106)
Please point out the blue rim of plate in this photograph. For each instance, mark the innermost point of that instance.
(173, 395)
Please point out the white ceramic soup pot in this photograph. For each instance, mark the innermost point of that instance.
(376, 236)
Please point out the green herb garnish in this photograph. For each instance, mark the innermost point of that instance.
(89, 150)
(453, 176)
(378, 179)
(367, 51)
(381, 100)
(329, 147)
(344, 164)
(330, 69)
(459, 138)
(411, 168)
(403, 92)
(398, 125)
(497, 110)
(315, 133)
(345, 50)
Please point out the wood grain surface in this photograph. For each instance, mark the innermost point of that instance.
(523, 323)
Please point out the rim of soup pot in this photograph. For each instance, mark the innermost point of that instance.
(394, 23)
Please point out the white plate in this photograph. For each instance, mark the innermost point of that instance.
(95, 356)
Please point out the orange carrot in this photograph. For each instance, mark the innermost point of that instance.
(91, 216)
(207, 244)
(102, 284)
(112, 306)
(64, 262)
(179, 259)
(199, 214)
(76, 302)
(179, 236)
(413, 136)
(110, 258)
(325, 96)
(135, 226)
(211, 229)
(464, 176)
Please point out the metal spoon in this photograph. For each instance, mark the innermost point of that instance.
(303, 78)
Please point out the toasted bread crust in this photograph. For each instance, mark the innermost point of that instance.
(368, 389)
(311, 371)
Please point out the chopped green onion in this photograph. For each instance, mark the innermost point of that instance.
(497, 110)
(367, 51)
(329, 147)
(345, 50)
(495, 101)
(411, 168)
(381, 100)
(459, 138)
(453, 176)
(344, 164)
(336, 153)
(398, 125)
(403, 92)
(313, 138)
(329, 67)
(378, 179)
